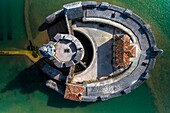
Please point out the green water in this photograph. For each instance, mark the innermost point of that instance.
(22, 88)
(12, 30)
(23, 91)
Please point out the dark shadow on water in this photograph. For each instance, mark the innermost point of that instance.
(58, 26)
(31, 80)
(43, 27)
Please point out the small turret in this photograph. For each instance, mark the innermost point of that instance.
(155, 52)
(48, 50)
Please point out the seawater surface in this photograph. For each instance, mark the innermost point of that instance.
(22, 85)
(12, 29)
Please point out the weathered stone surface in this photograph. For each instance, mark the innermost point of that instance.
(127, 90)
(99, 13)
(144, 76)
(78, 56)
(128, 12)
(69, 63)
(151, 65)
(58, 64)
(104, 5)
(116, 8)
(89, 98)
(55, 86)
(73, 10)
(57, 37)
(89, 4)
(146, 27)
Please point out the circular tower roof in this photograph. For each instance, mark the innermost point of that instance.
(65, 51)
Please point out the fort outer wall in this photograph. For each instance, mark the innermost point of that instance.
(97, 90)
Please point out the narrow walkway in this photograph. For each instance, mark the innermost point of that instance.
(21, 52)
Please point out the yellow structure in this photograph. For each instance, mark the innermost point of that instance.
(21, 52)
